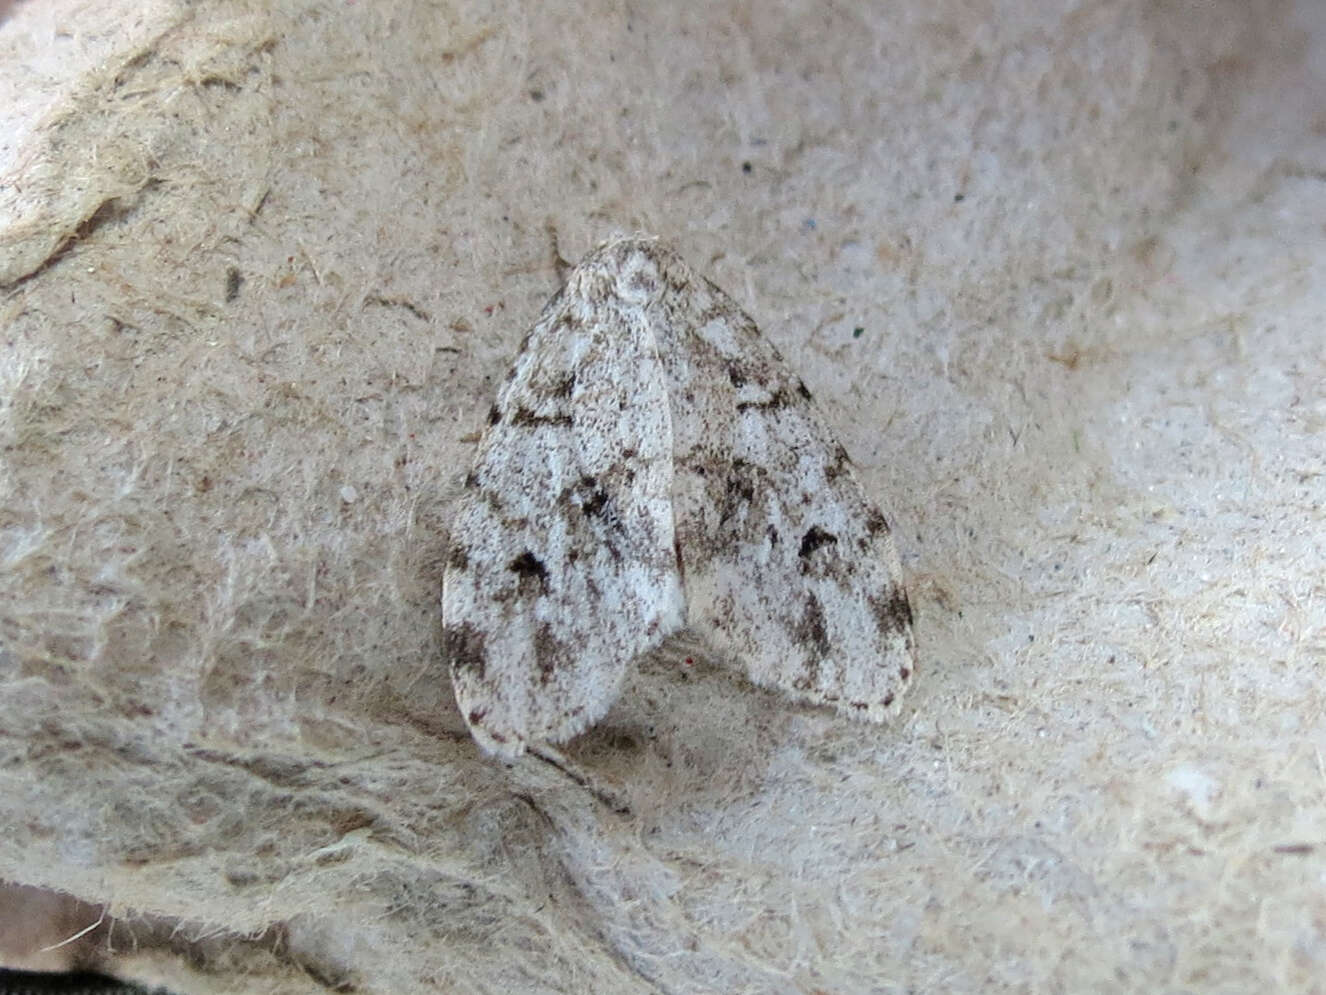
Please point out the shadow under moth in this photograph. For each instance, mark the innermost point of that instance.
(650, 468)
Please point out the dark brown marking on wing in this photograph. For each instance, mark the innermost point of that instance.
(838, 465)
(596, 503)
(812, 633)
(464, 648)
(597, 500)
(530, 569)
(814, 538)
(893, 613)
(876, 522)
(524, 417)
(549, 653)
(739, 489)
(457, 558)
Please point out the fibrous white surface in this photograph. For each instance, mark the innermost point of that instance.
(1054, 277)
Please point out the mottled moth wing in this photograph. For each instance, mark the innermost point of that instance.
(789, 571)
(650, 465)
(563, 564)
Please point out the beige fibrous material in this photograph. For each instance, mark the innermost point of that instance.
(1054, 279)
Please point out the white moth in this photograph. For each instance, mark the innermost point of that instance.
(652, 467)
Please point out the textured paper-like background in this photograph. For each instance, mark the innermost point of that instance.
(1055, 277)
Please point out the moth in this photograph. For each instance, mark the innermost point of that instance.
(650, 468)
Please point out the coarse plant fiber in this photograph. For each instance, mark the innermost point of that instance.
(1053, 274)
